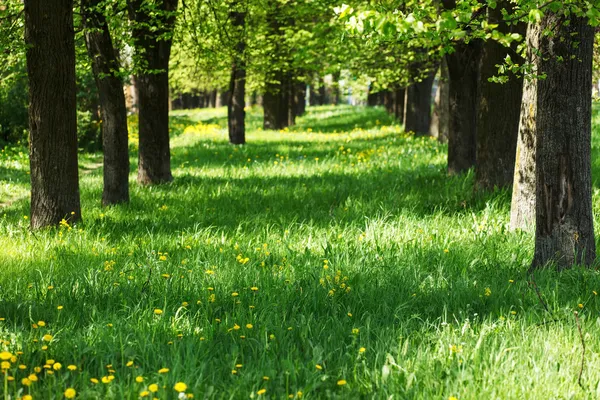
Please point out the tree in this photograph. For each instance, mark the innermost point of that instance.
(52, 112)
(498, 105)
(564, 231)
(105, 66)
(153, 22)
(237, 85)
(418, 105)
(463, 65)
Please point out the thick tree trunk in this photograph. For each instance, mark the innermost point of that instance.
(564, 231)
(105, 65)
(337, 94)
(418, 106)
(522, 209)
(498, 109)
(154, 165)
(52, 112)
(463, 78)
(236, 114)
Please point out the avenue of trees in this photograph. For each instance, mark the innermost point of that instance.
(514, 98)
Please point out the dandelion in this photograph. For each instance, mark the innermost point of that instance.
(59, 307)
(25, 381)
(355, 331)
(238, 365)
(5, 355)
(319, 367)
(236, 327)
(27, 397)
(341, 382)
(94, 381)
(41, 323)
(249, 326)
(180, 387)
(488, 292)
(235, 294)
(513, 312)
(153, 388)
(5, 365)
(70, 393)
(163, 370)
(129, 363)
(580, 305)
(47, 337)
(145, 393)
(72, 367)
(261, 392)
(254, 289)
(158, 311)
(57, 366)
(33, 378)
(139, 379)
(362, 350)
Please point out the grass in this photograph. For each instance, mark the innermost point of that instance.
(333, 260)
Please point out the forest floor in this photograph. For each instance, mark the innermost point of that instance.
(335, 259)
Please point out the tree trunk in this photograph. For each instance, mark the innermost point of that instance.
(418, 106)
(52, 112)
(522, 209)
(399, 106)
(441, 108)
(337, 94)
(498, 109)
(300, 98)
(236, 114)
(462, 85)
(151, 37)
(564, 231)
(105, 65)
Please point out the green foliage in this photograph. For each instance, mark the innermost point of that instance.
(325, 243)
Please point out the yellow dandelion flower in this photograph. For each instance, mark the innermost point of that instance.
(139, 379)
(57, 366)
(163, 370)
(5, 355)
(72, 367)
(235, 294)
(261, 392)
(70, 393)
(158, 311)
(254, 288)
(129, 363)
(238, 365)
(180, 387)
(319, 367)
(41, 323)
(59, 307)
(33, 378)
(94, 380)
(341, 382)
(153, 388)
(249, 326)
(236, 327)
(27, 397)
(580, 305)
(362, 350)
(145, 393)
(25, 381)
(47, 337)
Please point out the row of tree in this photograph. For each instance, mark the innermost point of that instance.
(539, 128)
(519, 112)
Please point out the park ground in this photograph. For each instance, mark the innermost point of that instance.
(335, 259)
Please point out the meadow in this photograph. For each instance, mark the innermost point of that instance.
(335, 259)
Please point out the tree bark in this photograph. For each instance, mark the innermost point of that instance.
(441, 113)
(498, 108)
(236, 115)
(151, 34)
(522, 209)
(399, 104)
(105, 66)
(418, 106)
(462, 86)
(564, 231)
(50, 57)
(300, 98)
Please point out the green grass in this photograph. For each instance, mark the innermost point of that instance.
(352, 236)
